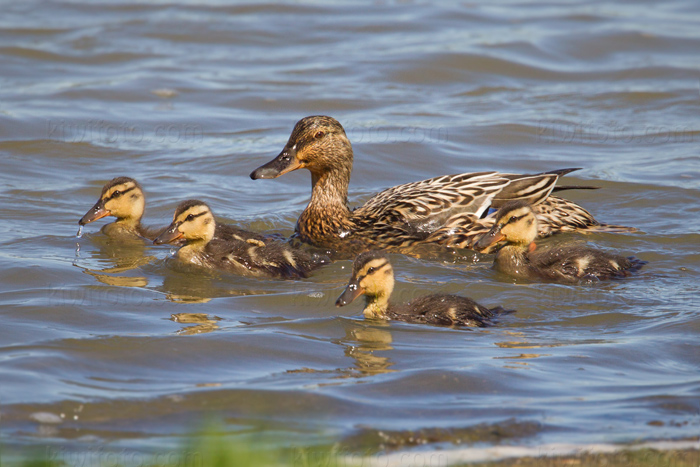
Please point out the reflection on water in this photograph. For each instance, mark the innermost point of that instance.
(117, 257)
(202, 321)
(120, 281)
(366, 345)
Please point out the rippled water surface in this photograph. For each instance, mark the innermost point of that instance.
(102, 342)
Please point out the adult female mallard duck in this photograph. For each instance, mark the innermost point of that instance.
(450, 210)
(373, 277)
(123, 198)
(245, 255)
(516, 224)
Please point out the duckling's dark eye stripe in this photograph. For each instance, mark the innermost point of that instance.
(376, 268)
(515, 219)
(120, 193)
(194, 216)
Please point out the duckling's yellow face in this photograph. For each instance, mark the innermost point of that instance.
(373, 277)
(516, 223)
(193, 223)
(121, 198)
(317, 143)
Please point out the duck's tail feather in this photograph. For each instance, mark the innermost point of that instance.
(637, 264)
(575, 187)
(499, 310)
(607, 228)
(560, 172)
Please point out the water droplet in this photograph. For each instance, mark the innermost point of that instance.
(80, 232)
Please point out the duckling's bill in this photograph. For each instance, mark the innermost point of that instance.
(98, 211)
(351, 292)
(171, 234)
(488, 241)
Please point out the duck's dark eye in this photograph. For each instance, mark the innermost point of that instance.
(513, 219)
(319, 135)
(371, 270)
(116, 194)
(189, 218)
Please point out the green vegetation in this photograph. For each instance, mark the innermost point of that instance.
(215, 450)
(209, 450)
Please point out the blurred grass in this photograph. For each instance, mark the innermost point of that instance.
(208, 449)
(212, 449)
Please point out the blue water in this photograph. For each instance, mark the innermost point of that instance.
(188, 98)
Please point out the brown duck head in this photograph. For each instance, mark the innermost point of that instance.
(317, 143)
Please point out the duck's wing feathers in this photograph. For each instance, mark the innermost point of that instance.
(554, 215)
(452, 209)
(532, 189)
(561, 215)
(435, 200)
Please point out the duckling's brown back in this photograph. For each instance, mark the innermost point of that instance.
(580, 262)
(268, 258)
(445, 310)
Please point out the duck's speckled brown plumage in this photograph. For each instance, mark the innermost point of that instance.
(244, 254)
(516, 225)
(123, 198)
(447, 210)
(373, 277)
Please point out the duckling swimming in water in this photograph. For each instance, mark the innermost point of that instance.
(516, 224)
(373, 277)
(244, 254)
(123, 198)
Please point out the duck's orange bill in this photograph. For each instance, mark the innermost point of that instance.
(98, 211)
(169, 236)
(489, 240)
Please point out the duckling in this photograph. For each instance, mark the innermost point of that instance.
(194, 222)
(449, 210)
(516, 224)
(123, 198)
(373, 277)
